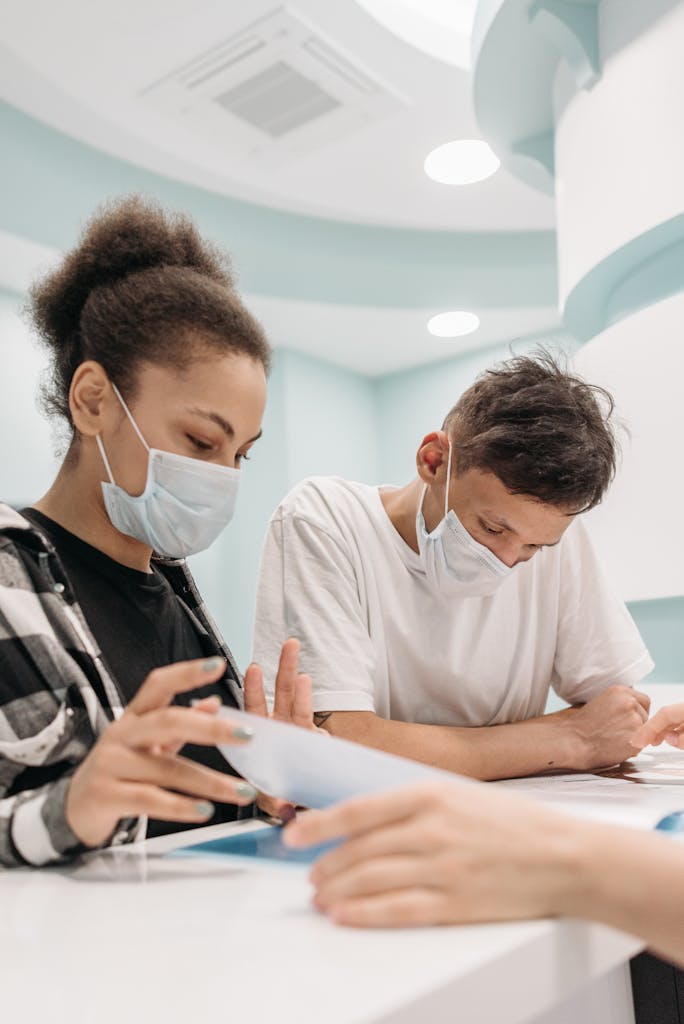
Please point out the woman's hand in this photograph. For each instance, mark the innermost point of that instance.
(667, 725)
(293, 701)
(134, 765)
(293, 704)
(439, 853)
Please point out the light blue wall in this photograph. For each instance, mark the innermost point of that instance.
(331, 420)
(661, 624)
(27, 443)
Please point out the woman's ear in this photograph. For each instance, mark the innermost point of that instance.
(432, 457)
(90, 399)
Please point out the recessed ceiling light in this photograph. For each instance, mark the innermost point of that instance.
(461, 162)
(440, 28)
(453, 324)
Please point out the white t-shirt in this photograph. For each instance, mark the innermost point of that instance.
(336, 574)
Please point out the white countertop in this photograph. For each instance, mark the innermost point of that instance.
(136, 936)
(139, 937)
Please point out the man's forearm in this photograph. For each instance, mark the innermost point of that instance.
(629, 880)
(492, 752)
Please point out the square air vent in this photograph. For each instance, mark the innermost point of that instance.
(274, 89)
(278, 100)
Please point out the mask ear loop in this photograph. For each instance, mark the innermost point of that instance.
(448, 481)
(135, 426)
(130, 416)
(100, 445)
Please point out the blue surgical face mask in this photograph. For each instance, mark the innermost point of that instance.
(455, 564)
(184, 507)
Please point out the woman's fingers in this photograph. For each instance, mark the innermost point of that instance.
(302, 705)
(162, 684)
(178, 773)
(206, 706)
(292, 700)
(134, 799)
(286, 680)
(255, 699)
(174, 727)
(280, 810)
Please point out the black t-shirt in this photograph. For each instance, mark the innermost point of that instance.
(140, 624)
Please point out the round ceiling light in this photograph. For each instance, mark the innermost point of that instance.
(453, 324)
(461, 162)
(440, 28)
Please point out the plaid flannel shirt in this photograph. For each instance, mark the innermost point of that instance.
(56, 695)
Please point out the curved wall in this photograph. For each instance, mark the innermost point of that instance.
(592, 91)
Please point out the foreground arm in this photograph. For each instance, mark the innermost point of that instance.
(445, 853)
(597, 735)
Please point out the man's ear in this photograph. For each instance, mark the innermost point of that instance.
(91, 399)
(432, 457)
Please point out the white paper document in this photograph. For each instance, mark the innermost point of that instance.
(314, 770)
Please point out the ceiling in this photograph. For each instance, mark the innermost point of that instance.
(106, 74)
(373, 341)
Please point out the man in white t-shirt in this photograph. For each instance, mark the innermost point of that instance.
(435, 617)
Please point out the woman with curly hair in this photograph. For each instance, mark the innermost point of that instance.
(109, 661)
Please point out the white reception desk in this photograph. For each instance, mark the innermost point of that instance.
(139, 936)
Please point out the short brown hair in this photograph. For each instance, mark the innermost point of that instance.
(141, 285)
(542, 430)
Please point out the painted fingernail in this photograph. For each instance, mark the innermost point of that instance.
(212, 664)
(672, 822)
(244, 790)
(242, 732)
(204, 808)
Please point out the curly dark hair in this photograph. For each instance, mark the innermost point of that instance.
(140, 285)
(543, 431)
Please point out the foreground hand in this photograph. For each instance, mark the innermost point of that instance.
(134, 764)
(438, 853)
(665, 726)
(605, 727)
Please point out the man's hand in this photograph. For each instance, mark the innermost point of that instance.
(665, 726)
(134, 768)
(603, 730)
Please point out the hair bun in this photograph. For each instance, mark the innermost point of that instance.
(126, 236)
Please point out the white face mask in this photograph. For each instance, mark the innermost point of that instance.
(455, 564)
(185, 505)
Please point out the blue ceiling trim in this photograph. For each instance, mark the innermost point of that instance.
(50, 183)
